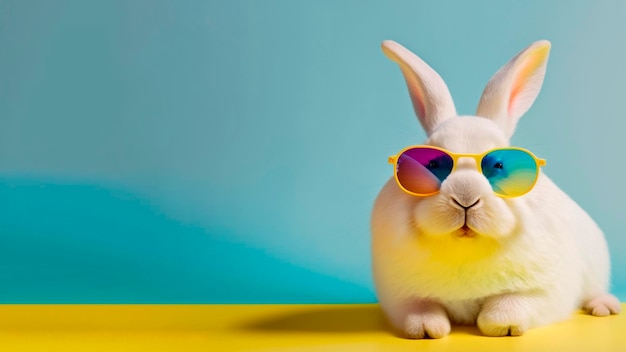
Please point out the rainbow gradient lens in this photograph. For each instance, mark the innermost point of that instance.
(511, 172)
(421, 170)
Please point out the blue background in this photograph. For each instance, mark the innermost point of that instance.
(196, 151)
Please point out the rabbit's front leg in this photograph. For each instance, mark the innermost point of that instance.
(505, 315)
(422, 319)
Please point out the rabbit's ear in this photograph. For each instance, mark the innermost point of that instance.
(431, 99)
(514, 88)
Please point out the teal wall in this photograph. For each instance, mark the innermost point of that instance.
(205, 151)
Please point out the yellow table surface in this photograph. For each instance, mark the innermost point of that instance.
(269, 328)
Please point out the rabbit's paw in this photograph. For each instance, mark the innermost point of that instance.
(428, 321)
(603, 305)
(503, 316)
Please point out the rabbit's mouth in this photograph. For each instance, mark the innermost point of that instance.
(465, 232)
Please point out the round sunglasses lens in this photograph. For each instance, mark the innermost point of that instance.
(511, 172)
(421, 170)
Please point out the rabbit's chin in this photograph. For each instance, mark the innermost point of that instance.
(436, 217)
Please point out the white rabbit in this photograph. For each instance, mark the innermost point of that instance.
(466, 255)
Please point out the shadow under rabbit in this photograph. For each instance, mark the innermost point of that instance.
(340, 320)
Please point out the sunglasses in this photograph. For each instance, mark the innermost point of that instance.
(420, 170)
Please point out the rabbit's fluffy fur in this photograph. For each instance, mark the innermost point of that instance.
(505, 264)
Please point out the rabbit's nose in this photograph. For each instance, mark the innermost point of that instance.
(465, 203)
